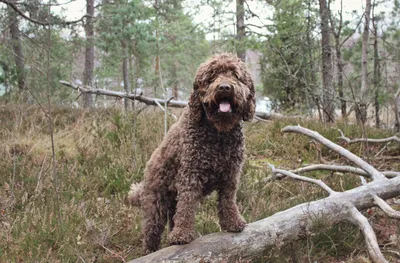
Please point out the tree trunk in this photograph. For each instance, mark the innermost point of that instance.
(19, 58)
(327, 78)
(339, 61)
(125, 71)
(313, 78)
(397, 110)
(362, 109)
(343, 105)
(240, 30)
(89, 54)
(175, 90)
(377, 70)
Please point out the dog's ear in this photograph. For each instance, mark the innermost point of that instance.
(250, 104)
(196, 109)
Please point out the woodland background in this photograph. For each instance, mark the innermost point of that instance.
(67, 159)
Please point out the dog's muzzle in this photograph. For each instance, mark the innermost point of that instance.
(224, 98)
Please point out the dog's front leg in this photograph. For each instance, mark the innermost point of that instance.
(184, 218)
(228, 212)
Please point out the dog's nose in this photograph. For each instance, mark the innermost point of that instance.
(224, 87)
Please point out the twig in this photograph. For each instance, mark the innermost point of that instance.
(370, 238)
(303, 178)
(162, 108)
(385, 207)
(375, 174)
(382, 150)
(114, 254)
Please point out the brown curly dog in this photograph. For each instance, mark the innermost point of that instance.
(202, 152)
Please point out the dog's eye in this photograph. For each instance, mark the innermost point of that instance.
(210, 80)
(237, 76)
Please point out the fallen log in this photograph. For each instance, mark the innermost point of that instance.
(276, 230)
(294, 223)
(151, 101)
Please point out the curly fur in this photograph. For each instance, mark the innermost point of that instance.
(202, 152)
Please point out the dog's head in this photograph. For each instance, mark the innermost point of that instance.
(223, 91)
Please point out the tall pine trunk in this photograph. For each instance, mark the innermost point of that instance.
(89, 54)
(377, 70)
(240, 30)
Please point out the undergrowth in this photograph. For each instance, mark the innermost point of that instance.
(78, 213)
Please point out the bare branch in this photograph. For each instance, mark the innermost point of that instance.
(118, 94)
(370, 238)
(151, 101)
(369, 140)
(42, 23)
(304, 179)
(385, 207)
(343, 169)
(375, 174)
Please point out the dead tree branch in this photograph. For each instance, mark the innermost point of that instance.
(304, 179)
(118, 94)
(385, 207)
(150, 101)
(42, 23)
(384, 140)
(370, 238)
(375, 174)
(342, 169)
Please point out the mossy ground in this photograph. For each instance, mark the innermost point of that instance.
(78, 213)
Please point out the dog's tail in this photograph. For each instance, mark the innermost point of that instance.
(135, 193)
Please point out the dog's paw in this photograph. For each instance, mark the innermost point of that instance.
(234, 225)
(177, 237)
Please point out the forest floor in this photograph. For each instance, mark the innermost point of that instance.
(77, 212)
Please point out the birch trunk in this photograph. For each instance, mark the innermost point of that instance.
(362, 109)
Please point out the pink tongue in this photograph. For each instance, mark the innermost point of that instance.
(224, 106)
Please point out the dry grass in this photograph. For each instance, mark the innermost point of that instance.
(82, 215)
